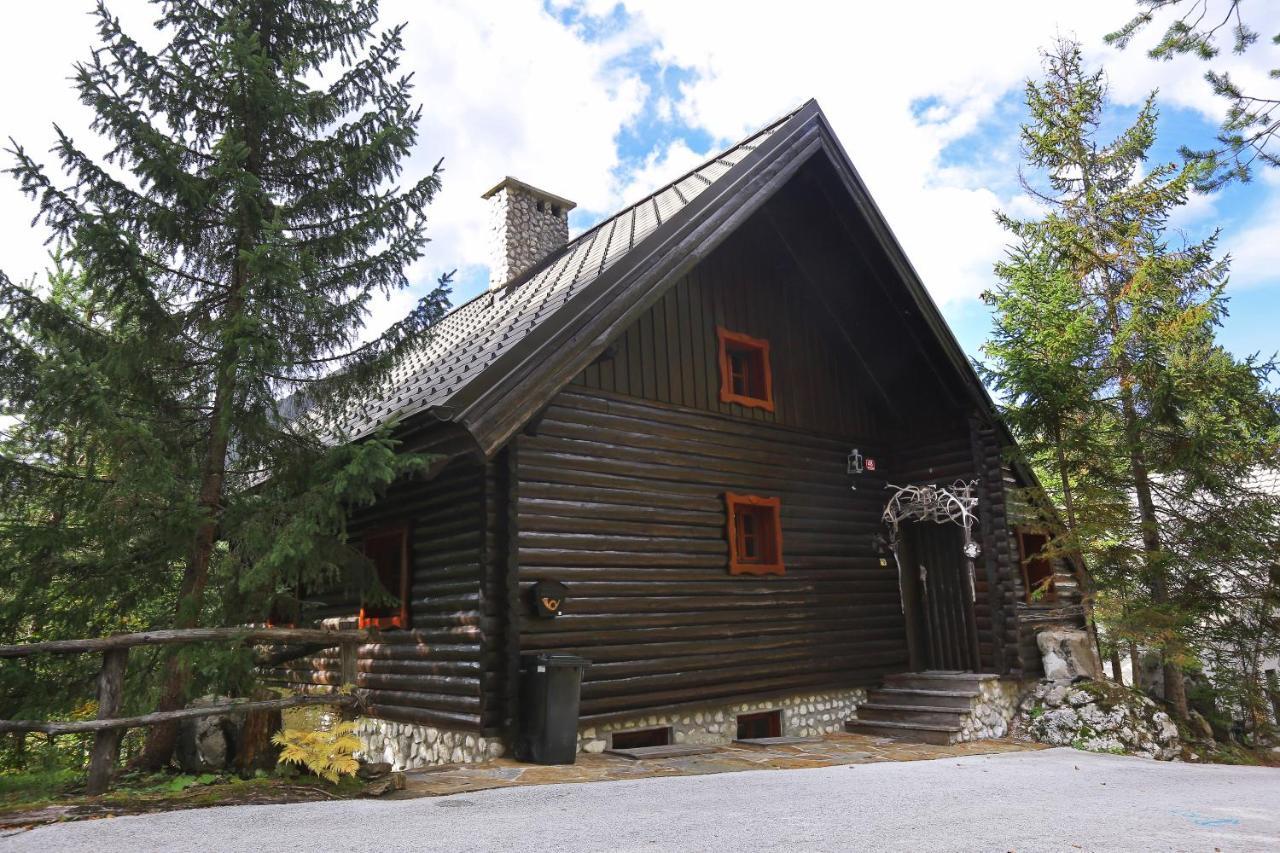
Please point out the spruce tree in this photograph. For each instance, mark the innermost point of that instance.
(1252, 119)
(1104, 348)
(225, 255)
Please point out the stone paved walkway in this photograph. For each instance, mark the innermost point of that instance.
(829, 751)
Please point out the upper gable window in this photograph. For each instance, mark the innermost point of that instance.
(388, 550)
(745, 375)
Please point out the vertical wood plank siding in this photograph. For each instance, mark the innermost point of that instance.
(671, 354)
(622, 500)
(943, 460)
(433, 673)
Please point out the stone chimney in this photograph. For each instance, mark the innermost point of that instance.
(526, 225)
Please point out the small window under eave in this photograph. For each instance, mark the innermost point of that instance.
(746, 376)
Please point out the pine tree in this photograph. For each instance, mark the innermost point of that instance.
(1252, 121)
(226, 253)
(1104, 349)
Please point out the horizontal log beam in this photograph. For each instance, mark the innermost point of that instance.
(86, 726)
(178, 636)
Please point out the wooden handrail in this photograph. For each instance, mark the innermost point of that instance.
(108, 728)
(176, 636)
(342, 700)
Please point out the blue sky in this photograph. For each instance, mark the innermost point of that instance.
(601, 101)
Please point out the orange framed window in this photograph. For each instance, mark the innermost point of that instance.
(754, 530)
(388, 550)
(746, 377)
(1037, 568)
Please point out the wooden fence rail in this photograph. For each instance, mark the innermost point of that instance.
(108, 728)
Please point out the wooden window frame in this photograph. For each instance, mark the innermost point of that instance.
(737, 340)
(1050, 595)
(737, 565)
(401, 619)
(771, 718)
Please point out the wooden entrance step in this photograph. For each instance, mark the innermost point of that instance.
(878, 712)
(917, 732)
(962, 699)
(925, 707)
(937, 680)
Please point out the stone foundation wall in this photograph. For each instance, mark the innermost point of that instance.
(406, 746)
(993, 710)
(803, 715)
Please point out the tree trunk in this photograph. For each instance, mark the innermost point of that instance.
(1135, 664)
(1117, 669)
(1175, 689)
(106, 744)
(162, 738)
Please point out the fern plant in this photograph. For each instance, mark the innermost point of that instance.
(328, 753)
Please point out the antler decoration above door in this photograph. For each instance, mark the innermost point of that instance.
(941, 505)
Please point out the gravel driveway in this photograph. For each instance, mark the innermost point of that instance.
(1057, 799)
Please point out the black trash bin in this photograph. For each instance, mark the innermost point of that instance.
(550, 685)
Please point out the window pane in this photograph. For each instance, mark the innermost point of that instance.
(385, 551)
(740, 367)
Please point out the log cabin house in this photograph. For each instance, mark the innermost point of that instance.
(687, 423)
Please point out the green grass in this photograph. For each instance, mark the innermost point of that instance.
(35, 787)
(136, 791)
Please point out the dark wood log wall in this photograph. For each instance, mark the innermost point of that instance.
(1064, 610)
(622, 500)
(999, 547)
(433, 673)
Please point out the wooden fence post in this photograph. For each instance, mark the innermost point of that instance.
(106, 743)
(347, 661)
(347, 658)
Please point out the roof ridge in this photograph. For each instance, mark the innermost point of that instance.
(533, 271)
(475, 333)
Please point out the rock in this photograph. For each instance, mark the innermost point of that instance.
(1095, 717)
(1077, 698)
(207, 744)
(1151, 675)
(594, 746)
(385, 785)
(1167, 730)
(1067, 653)
(374, 770)
(1200, 726)
(1056, 696)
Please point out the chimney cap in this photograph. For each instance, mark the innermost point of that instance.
(514, 183)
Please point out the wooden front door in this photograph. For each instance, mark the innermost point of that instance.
(937, 598)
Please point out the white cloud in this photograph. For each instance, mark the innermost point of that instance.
(508, 88)
(1255, 247)
(868, 64)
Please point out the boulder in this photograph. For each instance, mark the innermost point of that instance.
(1068, 653)
(1151, 675)
(1200, 727)
(373, 770)
(208, 744)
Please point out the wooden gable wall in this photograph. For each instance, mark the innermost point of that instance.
(620, 496)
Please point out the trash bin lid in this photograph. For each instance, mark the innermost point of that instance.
(553, 659)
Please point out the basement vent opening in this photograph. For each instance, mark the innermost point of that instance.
(763, 724)
(636, 738)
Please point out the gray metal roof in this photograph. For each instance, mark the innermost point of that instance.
(1266, 481)
(476, 333)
